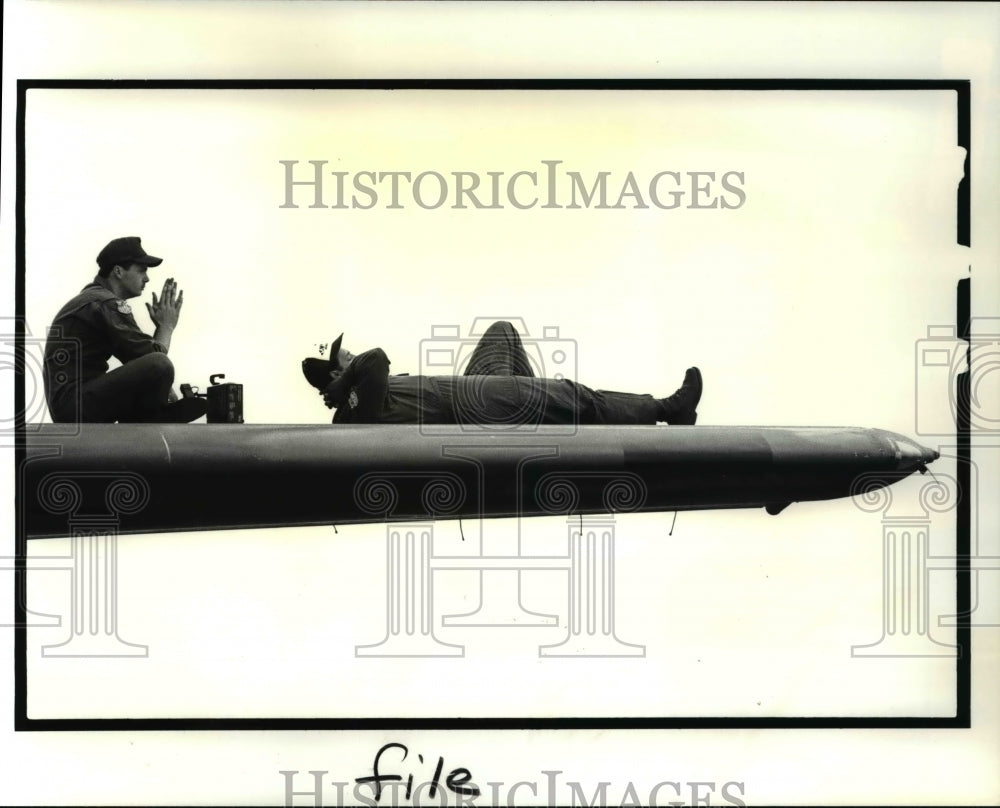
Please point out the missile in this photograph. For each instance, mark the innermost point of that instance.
(144, 478)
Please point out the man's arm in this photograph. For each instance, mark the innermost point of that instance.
(125, 339)
(368, 375)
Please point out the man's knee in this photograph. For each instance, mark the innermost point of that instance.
(156, 365)
(501, 328)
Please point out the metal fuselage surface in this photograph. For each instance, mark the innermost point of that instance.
(164, 477)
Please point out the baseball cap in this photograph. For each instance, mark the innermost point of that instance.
(335, 350)
(317, 371)
(126, 250)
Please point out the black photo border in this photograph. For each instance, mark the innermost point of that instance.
(962, 717)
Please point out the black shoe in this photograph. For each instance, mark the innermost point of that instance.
(182, 411)
(680, 409)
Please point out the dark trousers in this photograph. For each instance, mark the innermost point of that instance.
(134, 392)
(514, 400)
(500, 352)
(488, 393)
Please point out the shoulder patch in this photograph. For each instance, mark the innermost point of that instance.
(123, 307)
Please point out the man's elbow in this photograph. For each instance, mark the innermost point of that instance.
(374, 361)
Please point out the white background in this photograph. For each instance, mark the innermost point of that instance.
(805, 306)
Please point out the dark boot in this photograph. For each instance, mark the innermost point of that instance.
(182, 411)
(680, 409)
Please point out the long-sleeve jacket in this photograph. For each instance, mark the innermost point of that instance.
(90, 329)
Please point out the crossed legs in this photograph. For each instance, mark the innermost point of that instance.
(499, 352)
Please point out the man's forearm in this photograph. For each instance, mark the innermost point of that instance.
(162, 335)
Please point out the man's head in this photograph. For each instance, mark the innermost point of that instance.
(321, 372)
(123, 262)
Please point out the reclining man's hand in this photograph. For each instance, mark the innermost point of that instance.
(335, 393)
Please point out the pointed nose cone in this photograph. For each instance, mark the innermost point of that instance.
(910, 455)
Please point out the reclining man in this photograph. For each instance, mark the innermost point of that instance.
(498, 388)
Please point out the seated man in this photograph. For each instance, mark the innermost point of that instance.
(498, 389)
(98, 324)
